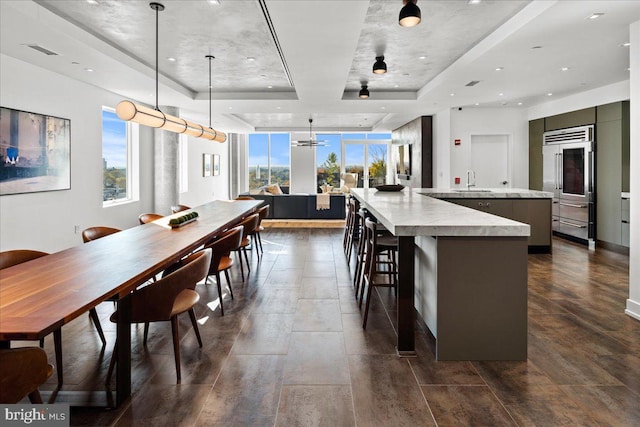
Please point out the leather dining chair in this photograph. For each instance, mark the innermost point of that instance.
(179, 208)
(263, 212)
(249, 225)
(95, 233)
(18, 256)
(146, 218)
(221, 260)
(22, 371)
(166, 299)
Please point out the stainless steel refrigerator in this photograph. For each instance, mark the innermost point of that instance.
(569, 173)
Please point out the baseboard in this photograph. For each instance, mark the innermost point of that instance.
(612, 247)
(633, 309)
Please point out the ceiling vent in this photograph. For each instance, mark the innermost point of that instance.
(473, 83)
(42, 49)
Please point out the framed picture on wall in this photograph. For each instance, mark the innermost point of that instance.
(206, 165)
(216, 164)
(35, 152)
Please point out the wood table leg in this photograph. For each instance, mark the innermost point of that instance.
(123, 369)
(406, 284)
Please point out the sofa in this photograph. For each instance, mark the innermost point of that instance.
(301, 206)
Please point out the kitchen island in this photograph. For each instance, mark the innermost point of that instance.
(463, 270)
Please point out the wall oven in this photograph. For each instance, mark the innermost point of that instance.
(569, 173)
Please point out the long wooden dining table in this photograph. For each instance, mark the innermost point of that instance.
(41, 295)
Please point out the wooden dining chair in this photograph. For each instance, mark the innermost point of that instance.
(179, 208)
(249, 225)
(18, 256)
(221, 260)
(22, 371)
(88, 235)
(263, 212)
(146, 218)
(166, 299)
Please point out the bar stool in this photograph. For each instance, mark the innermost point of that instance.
(373, 268)
(352, 227)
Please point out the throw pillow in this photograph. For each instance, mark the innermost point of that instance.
(273, 189)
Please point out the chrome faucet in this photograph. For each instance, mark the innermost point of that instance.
(471, 174)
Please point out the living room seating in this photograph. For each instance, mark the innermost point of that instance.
(301, 206)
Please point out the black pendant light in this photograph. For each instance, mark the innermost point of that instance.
(409, 14)
(379, 67)
(364, 92)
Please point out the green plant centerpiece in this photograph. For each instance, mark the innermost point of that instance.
(182, 219)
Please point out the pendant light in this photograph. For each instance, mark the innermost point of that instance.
(309, 142)
(364, 92)
(379, 67)
(410, 15)
(153, 117)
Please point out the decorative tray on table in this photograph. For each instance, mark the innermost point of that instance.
(389, 187)
(182, 220)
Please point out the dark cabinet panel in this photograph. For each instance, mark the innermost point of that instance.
(586, 116)
(536, 129)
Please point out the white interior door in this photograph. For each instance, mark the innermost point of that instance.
(490, 159)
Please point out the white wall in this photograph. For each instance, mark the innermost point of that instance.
(633, 303)
(45, 221)
(485, 121)
(203, 189)
(442, 147)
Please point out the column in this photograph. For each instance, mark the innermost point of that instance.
(165, 175)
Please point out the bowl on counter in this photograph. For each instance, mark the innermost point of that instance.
(389, 187)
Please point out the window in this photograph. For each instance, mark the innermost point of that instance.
(367, 155)
(328, 159)
(119, 149)
(269, 159)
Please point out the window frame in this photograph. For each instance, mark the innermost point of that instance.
(133, 155)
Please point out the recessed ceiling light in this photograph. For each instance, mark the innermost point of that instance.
(89, 70)
(278, 108)
(92, 1)
(452, 94)
(230, 108)
(171, 59)
(215, 2)
(270, 87)
(499, 68)
(595, 15)
(422, 57)
(477, 103)
(250, 58)
(549, 94)
(474, 1)
(383, 108)
(564, 69)
(501, 94)
(626, 44)
(396, 85)
(519, 103)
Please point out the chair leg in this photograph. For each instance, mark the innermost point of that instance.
(219, 293)
(366, 307)
(254, 242)
(146, 333)
(260, 242)
(34, 396)
(57, 343)
(176, 345)
(226, 276)
(194, 322)
(241, 266)
(96, 321)
(246, 257)
(112, 364)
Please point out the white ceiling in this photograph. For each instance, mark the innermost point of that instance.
(326, 51)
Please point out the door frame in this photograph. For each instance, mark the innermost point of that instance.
(510, 153)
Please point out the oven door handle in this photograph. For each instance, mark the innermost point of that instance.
(572, 225)
(574, 206)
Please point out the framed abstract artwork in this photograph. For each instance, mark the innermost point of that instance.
(216, 164)
(206, 165)
(35, 152)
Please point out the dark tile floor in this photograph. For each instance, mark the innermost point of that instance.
(290, 351)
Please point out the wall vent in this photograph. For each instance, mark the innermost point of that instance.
(473, 83)
(563, 136)
(42, 49)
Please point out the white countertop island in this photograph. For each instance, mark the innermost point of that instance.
(463, 270)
